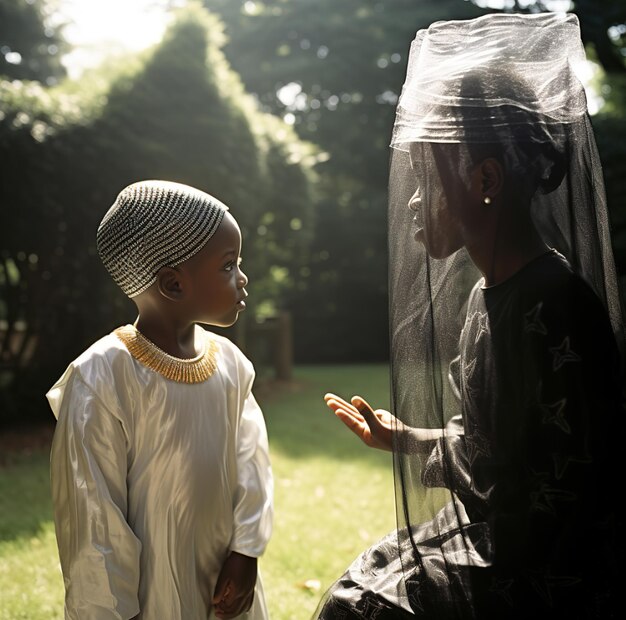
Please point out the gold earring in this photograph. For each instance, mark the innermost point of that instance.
(487, 200)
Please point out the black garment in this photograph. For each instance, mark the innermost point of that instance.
(538, 377)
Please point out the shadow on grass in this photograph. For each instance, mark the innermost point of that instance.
(299, 423)
(25, 503)
(299, 426)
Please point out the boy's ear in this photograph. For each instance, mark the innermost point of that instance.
(492, 177)
(169, 283)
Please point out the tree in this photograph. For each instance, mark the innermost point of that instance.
(31, 46)
(335, 69)
(602, 25)
(177, 112)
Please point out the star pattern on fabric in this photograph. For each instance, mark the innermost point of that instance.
(555, 414)
(471, 389)
(414, 593)
(480, 547)
(532, 321)
(545, 497)
(340, 611)
(503, 588)
(481, 320)
(477, 443)
(544, 584)
(477, 446)
(371, 610)
(539, 583)
(416, 602)
(562, 460)
(563, 354)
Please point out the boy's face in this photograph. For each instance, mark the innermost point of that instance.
(213, 281)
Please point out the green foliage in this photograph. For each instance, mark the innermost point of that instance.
(602, 25)
(340, 66)
(30, 46)
(177, 112)
(313, 217)
(345, 63)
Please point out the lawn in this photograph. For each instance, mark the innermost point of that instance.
(333, 498)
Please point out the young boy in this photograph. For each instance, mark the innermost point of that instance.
(161, 480)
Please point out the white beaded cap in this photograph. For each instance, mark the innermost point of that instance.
(154, 224)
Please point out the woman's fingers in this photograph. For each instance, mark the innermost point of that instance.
(334, 400)
(336, 403)
(379, 429)
(363, 407)
(356, 424)
(369, 425)
(349, 415)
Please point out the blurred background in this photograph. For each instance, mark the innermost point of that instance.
(281, 108)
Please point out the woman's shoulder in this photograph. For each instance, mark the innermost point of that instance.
(551, 280)
(554, 282)
(549, 297)
(561, 304)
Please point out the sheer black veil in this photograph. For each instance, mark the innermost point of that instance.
(504, 86)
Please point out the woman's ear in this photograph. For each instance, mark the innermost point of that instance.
(491, 177)
(169, 283)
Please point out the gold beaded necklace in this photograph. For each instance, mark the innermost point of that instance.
(193, 370)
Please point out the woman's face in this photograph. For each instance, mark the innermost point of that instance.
(440, 200)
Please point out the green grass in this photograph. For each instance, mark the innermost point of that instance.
(30, 574)
(333, 498)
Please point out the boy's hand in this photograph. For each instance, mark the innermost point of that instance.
(234, 591)
(374, 428)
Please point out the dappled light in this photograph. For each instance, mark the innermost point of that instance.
(283, 110)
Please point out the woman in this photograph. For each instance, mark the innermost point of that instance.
(507, 336)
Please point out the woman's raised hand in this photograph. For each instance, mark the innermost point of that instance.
(374, 428)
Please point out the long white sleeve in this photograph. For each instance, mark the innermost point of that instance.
(98, 550)
(253, 513)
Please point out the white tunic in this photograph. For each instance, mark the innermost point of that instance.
(154, 483)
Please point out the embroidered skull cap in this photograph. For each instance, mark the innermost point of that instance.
(154, 224)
